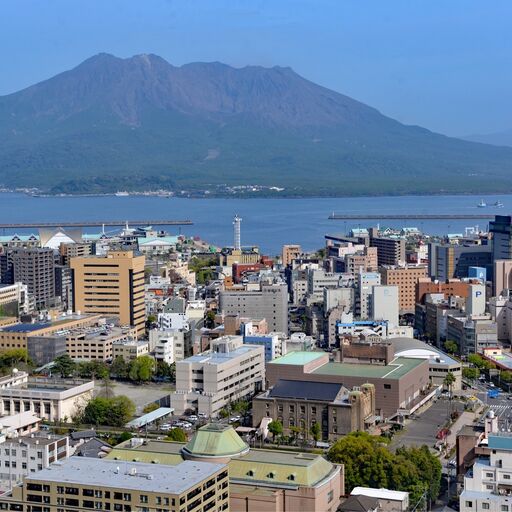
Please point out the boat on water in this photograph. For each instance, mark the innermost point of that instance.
(122, 194)
(482, 204)
(499, 204)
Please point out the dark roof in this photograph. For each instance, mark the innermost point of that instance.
(326, 391)
(83, 434)
(25, 327)
(92, 448)
(359, 504)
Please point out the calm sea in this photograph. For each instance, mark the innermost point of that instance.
(269, 223)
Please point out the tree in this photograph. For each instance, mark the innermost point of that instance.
(242, 407)
(476, 360)
(451, 347)
(92, 370)
(368, 463)
(64, 366)
(119, 368)
(449, 381)
(470, 373)
(165, 370)
(112, 412)
(150, 408)
(142, 369)
(316, 431)
(224, 413)
(275, 428)
(177, 434)
(506, 376)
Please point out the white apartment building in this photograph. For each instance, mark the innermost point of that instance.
(178, 337)
(488, 484)
(26, 455)
(386, 304)
(210, 381)
(17, 292)
(173, 321)
(366, 281)
(164, 350)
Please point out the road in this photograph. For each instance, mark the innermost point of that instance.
(424, 429)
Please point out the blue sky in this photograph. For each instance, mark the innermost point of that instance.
(444, 65)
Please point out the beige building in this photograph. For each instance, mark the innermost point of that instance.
(49, 399)
(290, 253)
(301, 404)
(16, 335)
(129, 349)
(74, 250)
(111, 285)
(406, 278)
(502, 276)
(16, 293)
(86, 483)
(209, 382)
(96, 343)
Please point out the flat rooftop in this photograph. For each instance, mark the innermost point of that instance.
(396, 369)
(221, 357)
(298, 358)
(504, 359)
(110, 473)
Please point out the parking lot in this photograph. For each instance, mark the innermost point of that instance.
(423, 430)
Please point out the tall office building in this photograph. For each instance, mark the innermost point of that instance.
(501, 229)
(111, 285)
(365, 283)
(448, 261)
(290, 253)
(35, 267)
(406, 278)
(270, 302)
(390, 251)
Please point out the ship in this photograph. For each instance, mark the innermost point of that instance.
(122, 194)
(499, 204)
(482, 204)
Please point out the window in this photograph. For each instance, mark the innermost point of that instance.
(330, 496)
(489, 475)
(485, 506)
(506, 477)
(504, 508)
(387, 386)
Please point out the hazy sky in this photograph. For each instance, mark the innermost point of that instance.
(442, 64)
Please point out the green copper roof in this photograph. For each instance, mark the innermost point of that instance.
(298, 358)
(216, 440)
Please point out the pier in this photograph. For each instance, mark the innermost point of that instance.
(94, 223)
(411, 216)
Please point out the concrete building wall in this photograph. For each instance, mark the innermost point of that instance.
(406, 278)
(385, 304)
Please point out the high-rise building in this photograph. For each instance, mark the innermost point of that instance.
(366, 281)
(236, 233)
(390, 251)
(35, 267)
(111, 285)
(501, 230)
(448, 261)
(64, 286)
(269, 302)
(210, 381)
(502, 277)
(290, 253)
(406, 278)
(385, 304)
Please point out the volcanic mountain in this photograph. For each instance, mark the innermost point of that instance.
(141, 123)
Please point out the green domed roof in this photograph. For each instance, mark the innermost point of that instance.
(216, 440)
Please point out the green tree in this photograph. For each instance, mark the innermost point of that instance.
(119, 368)
(150, 408)
(165, 370)
(449, 381)
(242, 407)
(506, 376)
(92, 370)
(451, 347)
(177, 434)
(470, 373)
(112, 412)
(124, 437)
(142, 369)
(224, 413)
(275, 428)
(316, 431)
(476, 360)
(64, 366)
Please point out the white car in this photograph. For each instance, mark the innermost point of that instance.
(193, 417)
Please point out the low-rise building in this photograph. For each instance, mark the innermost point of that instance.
(129, 349)
(25, 456)
(86, 483)
(210, 381)
(164, 350)
(274, 344)
(49, 399)
(301, 404)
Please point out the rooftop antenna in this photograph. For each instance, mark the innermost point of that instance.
(236, 228)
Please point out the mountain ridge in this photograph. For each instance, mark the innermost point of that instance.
(140, 122)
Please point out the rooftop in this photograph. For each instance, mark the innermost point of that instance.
(135, 475)
(396, 369)
(298, 358)
(305, 390)
(150, 417)
(379, 493)
(500, 441)
(216, 440)
(221, 357)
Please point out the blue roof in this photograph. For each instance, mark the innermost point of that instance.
(25, 327)
(500, 442)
